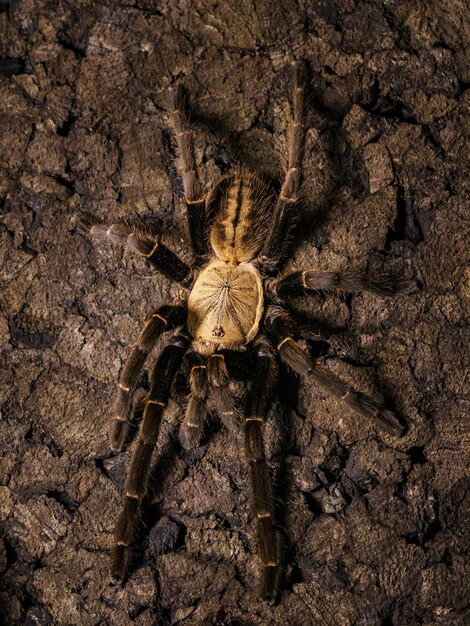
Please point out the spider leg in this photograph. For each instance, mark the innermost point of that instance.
(193, 196)
(306, 281)
(145, 243)
(257, 404)
(164, 318)
(274, 247)
(196, 411)
(136, 484)
(282, 328)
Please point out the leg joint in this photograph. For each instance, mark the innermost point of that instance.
(132, 496)
(194, 201)
(279, 346)
(152, 250)
(160, 317)
(150, 401)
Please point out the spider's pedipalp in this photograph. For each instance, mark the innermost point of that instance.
(191, 429)
(217, 370)
(136, 484)
(221, 395)
(227, 408)
(197, 374)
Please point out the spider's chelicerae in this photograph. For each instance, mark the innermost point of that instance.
(233, 325)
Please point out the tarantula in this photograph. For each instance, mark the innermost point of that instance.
(233, 325)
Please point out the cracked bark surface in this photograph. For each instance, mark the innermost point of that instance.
(377, 527)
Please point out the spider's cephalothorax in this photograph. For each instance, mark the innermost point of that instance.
(226, 302)
(235, 324)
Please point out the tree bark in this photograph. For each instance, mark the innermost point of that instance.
(376, 528)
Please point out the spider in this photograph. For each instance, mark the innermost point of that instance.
(233, 325)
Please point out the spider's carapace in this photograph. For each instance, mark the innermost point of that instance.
(225, 306)
(226, 301)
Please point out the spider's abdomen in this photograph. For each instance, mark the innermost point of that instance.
(225, 305)
(243, 204)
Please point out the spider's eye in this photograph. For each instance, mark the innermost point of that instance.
(218, 331)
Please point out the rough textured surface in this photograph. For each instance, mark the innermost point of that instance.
(377, 528)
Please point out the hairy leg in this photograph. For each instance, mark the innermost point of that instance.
(306, 281)
(283, 330)
(256, 408)
(141, 241)
(193, 196)
(274, 248)
(139, 470)
(163, 319)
